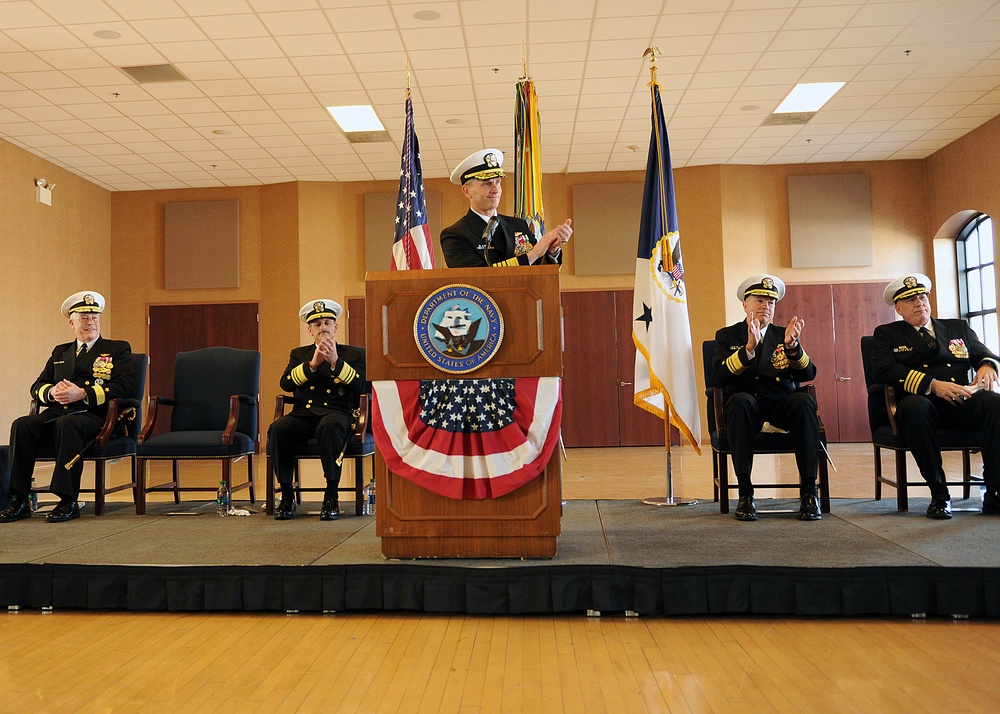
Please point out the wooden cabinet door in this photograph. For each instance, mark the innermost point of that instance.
(181, 328)
(590, 368)
(636, 426)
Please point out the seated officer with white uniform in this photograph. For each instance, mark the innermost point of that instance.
(931, 363)
(78, 381)
(326, 379)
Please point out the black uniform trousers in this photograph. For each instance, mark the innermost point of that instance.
(796, 413)
(292, 431)
(921, 417)
(67, 433)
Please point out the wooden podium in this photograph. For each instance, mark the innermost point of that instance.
(413, 522)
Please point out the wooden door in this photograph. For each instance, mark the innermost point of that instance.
(181, 328)
(636, 427)
(814, 304)
(837, 316)
(590, 369)
(859, 309)
(355, 322)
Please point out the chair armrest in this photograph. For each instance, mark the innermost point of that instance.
(718, 402)
(109, 423)
(280, 402)
(890, 407)
(235, 400)
(362, 423)
(33, 407)
(151, 413)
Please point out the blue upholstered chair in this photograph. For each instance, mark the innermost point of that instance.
(213, 416)
(115, 441)
(887, 434)
(763, 443)
(360, 446)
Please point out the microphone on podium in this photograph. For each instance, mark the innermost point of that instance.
(491, 227)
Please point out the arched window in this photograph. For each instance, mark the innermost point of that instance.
(977, 287)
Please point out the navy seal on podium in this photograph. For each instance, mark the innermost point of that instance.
(485, 238)
(78, 380)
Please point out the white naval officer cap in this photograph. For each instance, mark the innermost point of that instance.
(484, 165)
(317, 309)
(83, 301)
(761, 284)
(906, 286)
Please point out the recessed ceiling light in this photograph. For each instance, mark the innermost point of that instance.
(454, 121)
(427, 15)
(107, 34)
(749, 107)
(808, 97)
(222, 132)
(356, 118)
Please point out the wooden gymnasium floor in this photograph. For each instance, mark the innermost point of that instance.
(123, 662)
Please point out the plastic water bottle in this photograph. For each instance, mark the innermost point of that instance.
(33, 496)
(368, 508)
(222, 500)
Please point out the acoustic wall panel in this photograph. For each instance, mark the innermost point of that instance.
(830, 220)
(201, 245)
(606, 228)
(380, 228)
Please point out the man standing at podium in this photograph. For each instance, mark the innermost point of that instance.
(483, 237)
(326, 379)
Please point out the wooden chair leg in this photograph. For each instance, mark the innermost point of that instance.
(250, 478)
(966, 474)
(902, 502)
(268, 485)
(140, 482)
(135, 484)
(878, 472)
(824, 485)
(723, 483)
(99, 487)
(359, 484)
(175, 470)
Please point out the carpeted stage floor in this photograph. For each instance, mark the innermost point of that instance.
(864, 558)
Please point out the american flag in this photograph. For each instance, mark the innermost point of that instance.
(412, 248)
(468, 438)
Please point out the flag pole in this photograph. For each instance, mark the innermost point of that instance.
(669, 499)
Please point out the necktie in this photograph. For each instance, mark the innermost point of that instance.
(82, 351)
(928, 337)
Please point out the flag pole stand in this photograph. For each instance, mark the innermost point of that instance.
(669, 499)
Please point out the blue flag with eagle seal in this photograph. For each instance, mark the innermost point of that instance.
(664, 360)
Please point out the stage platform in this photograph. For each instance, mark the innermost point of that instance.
(862, 559)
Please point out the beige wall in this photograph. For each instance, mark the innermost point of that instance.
(46, 254)
(304, 240)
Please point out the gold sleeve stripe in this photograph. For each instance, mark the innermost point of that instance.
(733, 363)
(43, 393)
(509, 261)
(801, 363)
(912, 382)
(347, 374)
(99, 394)
(298, 375)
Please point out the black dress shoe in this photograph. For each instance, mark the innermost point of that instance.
(991, 503)
(285, 510)
(809, 509)
(64, 511)
(19, 508)
(330, 511)
(940, 507)
(745, 509)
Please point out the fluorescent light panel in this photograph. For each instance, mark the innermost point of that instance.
(808, 97)
(356, 118)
